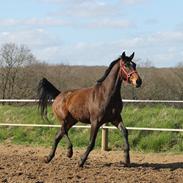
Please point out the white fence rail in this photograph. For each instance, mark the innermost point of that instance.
(104, 128)
(124, 100)
(88, 126)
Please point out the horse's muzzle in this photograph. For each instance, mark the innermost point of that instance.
(138, 83)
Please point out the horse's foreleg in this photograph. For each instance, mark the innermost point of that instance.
(93, 135)
(127, 146)
(124, 131)
(57, 139)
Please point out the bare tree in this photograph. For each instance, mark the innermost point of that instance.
(12, 57)
(147, 63)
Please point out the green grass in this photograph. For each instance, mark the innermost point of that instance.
(159, 116)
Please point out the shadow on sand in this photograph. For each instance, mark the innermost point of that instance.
(155, 166)
(171, 166)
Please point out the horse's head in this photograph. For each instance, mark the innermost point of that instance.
(128, 70)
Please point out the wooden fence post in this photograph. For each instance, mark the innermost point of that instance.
(104, 142)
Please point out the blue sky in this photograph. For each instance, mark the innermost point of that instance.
(95, 32)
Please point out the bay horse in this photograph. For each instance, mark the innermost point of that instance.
(96, 105)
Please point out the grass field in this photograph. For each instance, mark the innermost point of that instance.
(159, 116)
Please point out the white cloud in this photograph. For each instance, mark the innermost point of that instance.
(35, 39)
(132, 2)
(91, 1)
(102, 53)
(8, 22)
(162, 48)
(91, 9)
(151, 21)
(71, 1)
(86, 14)
(47, 21)
(87, 9)
(110, 23)
(168, 36)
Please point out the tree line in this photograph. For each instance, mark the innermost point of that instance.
(20, 73)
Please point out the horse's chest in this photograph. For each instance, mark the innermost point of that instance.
(113, 111)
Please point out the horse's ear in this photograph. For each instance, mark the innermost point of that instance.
(132, 55)
(123, 56)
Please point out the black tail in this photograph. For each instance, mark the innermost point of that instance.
(46, 93)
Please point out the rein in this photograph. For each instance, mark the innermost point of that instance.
(123, 69)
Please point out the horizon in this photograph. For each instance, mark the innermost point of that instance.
(138, 66)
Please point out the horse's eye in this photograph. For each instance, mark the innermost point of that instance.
(127, 64)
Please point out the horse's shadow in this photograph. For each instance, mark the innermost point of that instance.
(154, 166)
(157, 166)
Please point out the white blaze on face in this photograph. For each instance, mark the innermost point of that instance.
(133, 79)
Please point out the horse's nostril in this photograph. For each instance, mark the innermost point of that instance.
(139, 82)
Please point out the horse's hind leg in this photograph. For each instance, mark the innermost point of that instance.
(57, 139)
(63, 131)
(69, 148)
(68, 125)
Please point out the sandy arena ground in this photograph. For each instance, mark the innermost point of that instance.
(22, 164)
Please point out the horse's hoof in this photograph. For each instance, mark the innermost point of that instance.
(127, 160)
(69, 153)
(80, 163)
(47, 159)
(125, 164)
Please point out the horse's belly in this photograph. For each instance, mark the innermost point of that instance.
(80, 114)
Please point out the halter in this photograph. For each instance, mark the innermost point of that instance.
(123, 69)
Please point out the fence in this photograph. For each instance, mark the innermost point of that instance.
(104, 128)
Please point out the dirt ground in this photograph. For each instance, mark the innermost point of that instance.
(24, 164)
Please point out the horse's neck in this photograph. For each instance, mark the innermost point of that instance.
(112, 83)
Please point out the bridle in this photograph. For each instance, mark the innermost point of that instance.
(123, 70)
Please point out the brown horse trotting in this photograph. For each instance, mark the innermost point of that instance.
(97, 105)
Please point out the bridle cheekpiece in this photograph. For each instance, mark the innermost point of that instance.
(124, 70)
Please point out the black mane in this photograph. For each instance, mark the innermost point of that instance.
(108, 71)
